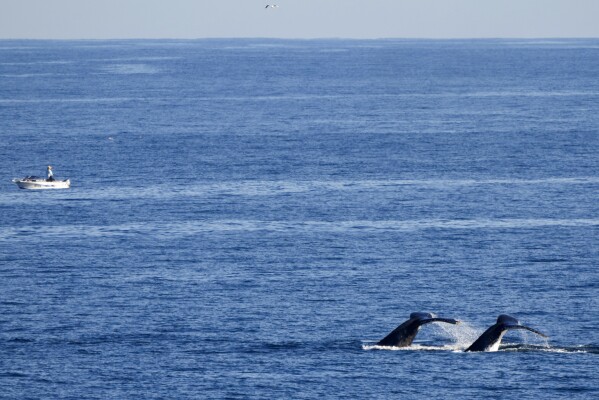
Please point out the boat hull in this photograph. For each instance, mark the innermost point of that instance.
(41, 184)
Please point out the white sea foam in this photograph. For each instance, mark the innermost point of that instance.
(413, 347)
(37, 62)
(142, 68)
(26, 75)
(190, 228)
(72, 100)
(460, 349)
(273, 188)
(128, 69)
(479, 94)
(148, 58)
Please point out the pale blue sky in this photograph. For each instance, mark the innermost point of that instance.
(110, 19)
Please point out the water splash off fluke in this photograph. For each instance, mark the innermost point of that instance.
(527, 341)
(462, 335)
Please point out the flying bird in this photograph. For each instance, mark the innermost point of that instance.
(271, 6)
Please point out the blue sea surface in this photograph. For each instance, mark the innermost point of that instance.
(247, 218)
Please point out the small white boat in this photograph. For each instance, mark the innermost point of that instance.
(35, 182)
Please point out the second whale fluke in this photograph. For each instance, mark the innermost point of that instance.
(491, 338)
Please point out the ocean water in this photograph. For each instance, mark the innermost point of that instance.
(248, 218)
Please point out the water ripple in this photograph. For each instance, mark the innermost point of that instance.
(190, 228)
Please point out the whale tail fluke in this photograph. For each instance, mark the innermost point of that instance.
(404, 334)
(509, 322)
(491, 338)
(528, 328)
(446, 320)
(426, 318)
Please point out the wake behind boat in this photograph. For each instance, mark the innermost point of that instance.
(36, 182)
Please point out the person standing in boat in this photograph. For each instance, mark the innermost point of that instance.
(50, 174)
